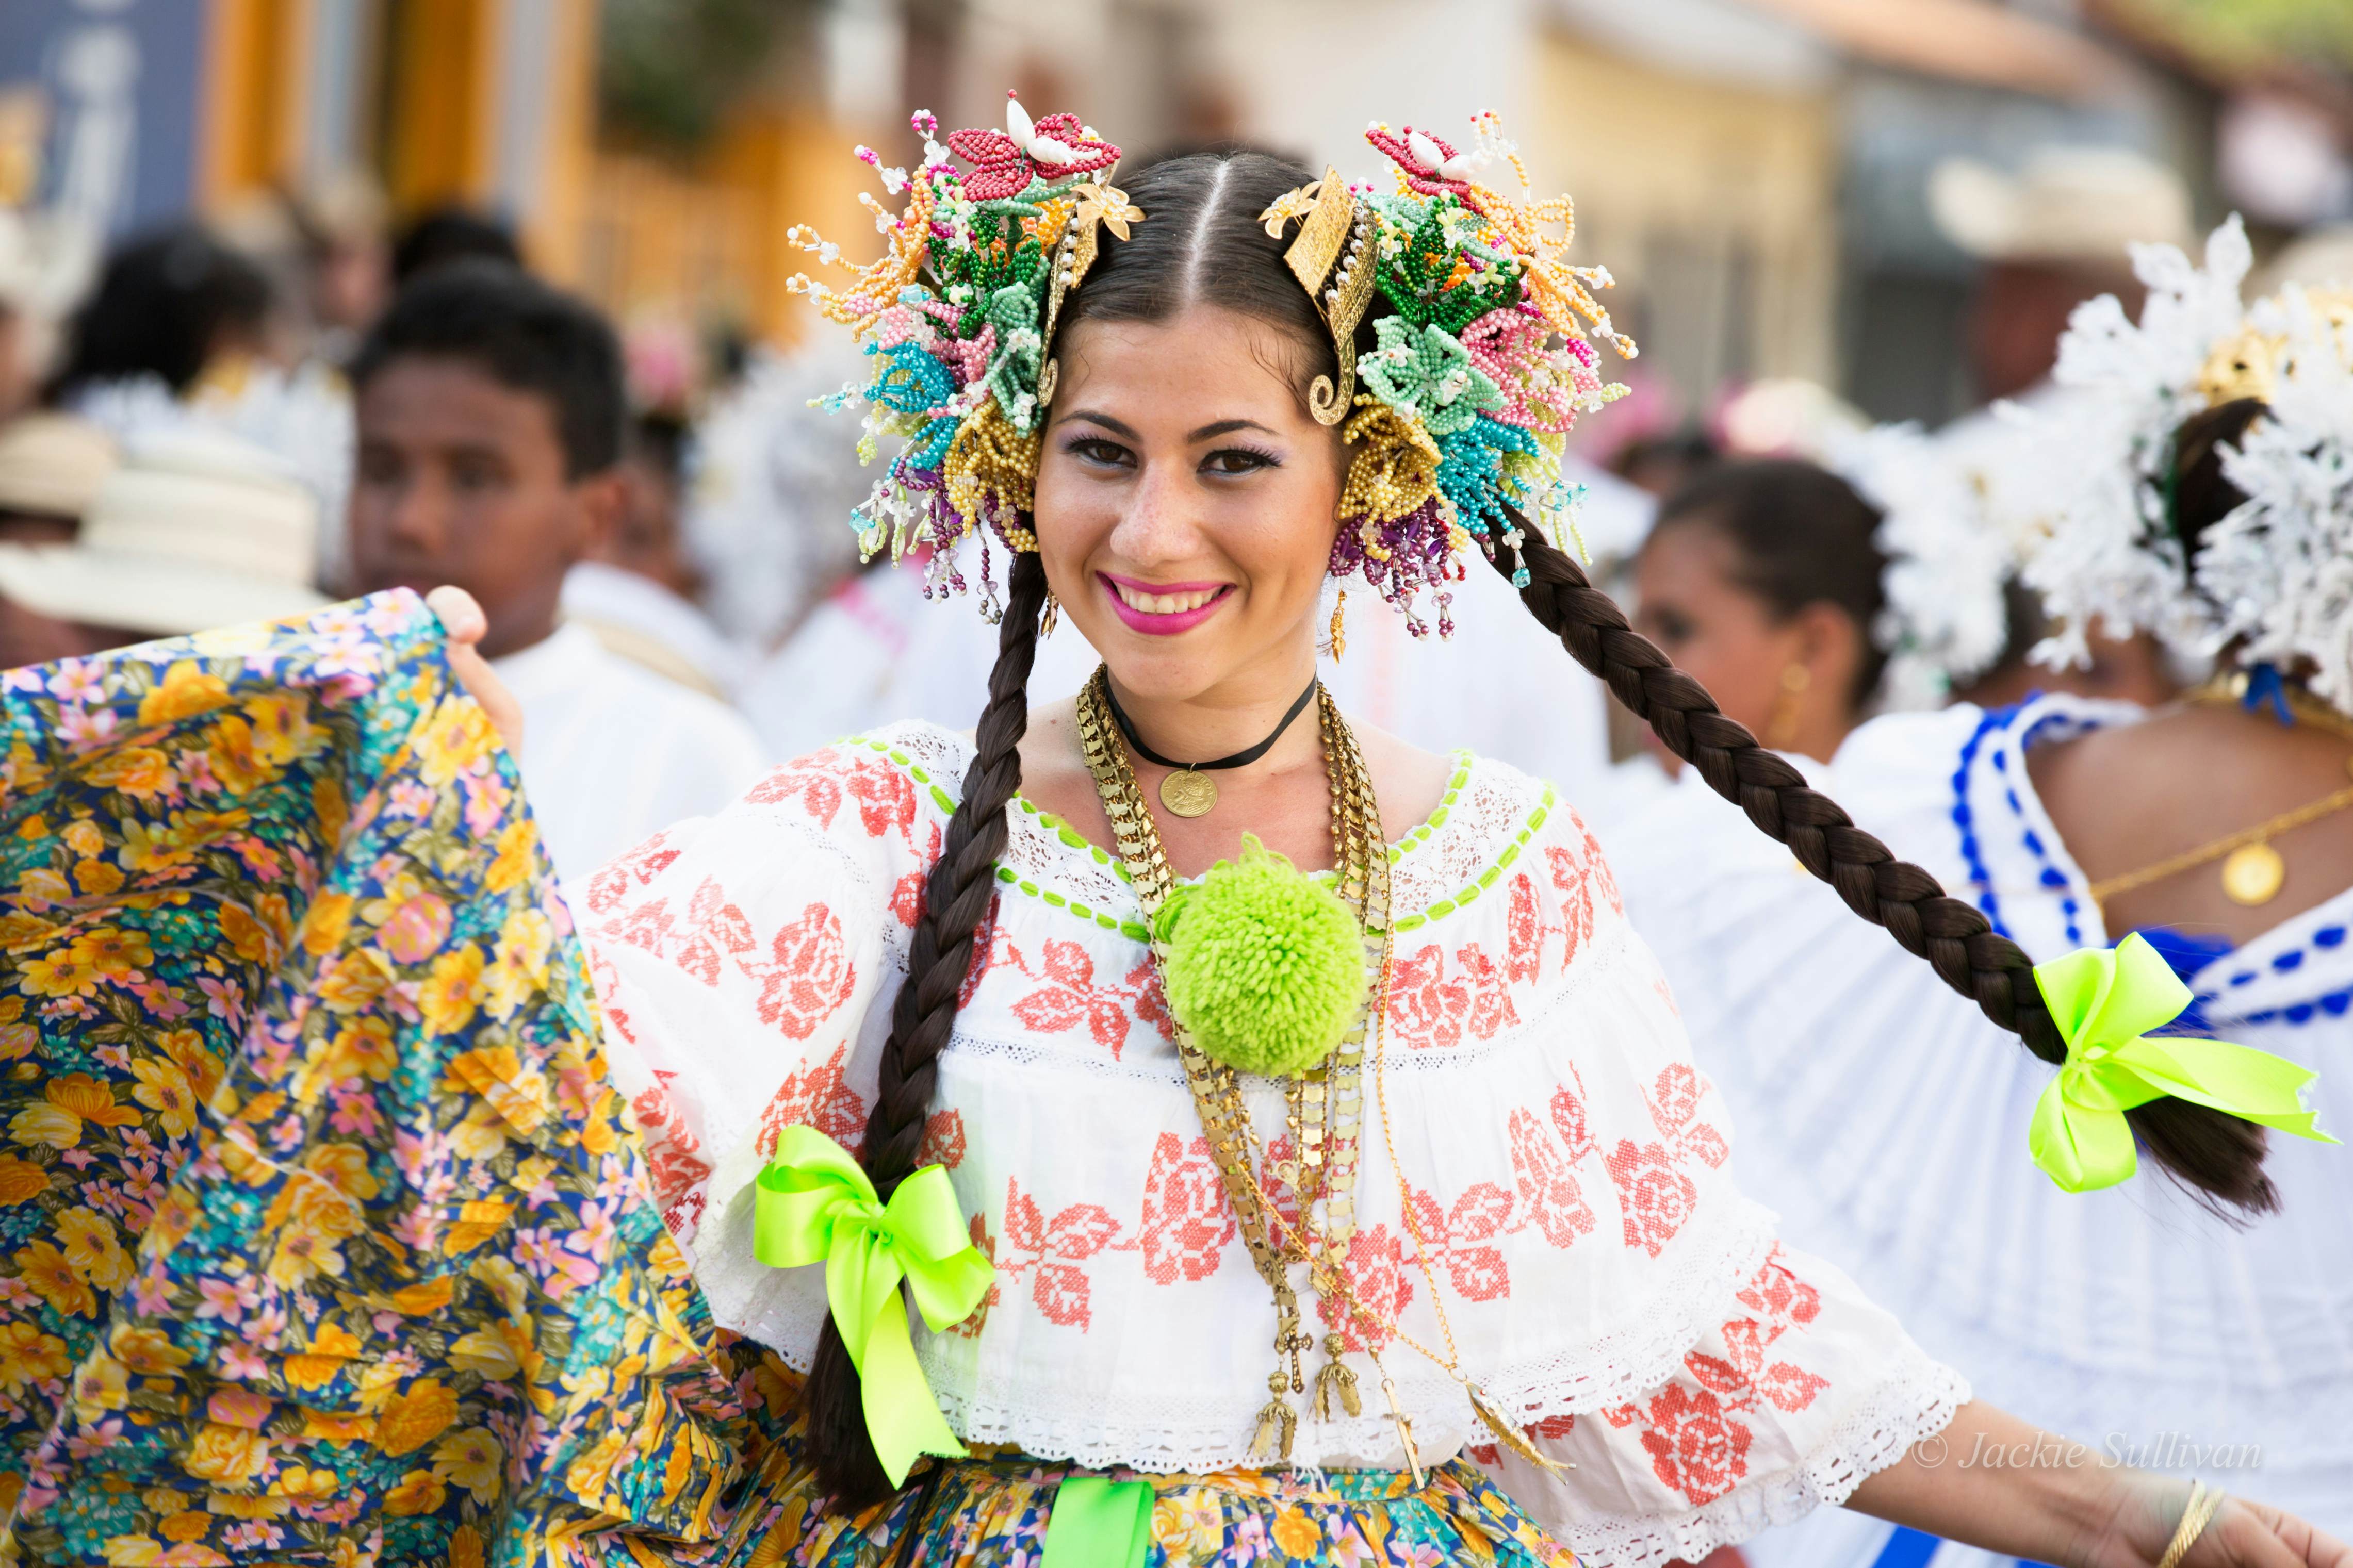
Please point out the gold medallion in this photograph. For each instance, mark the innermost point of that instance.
(2253, 874)
(1188, 793)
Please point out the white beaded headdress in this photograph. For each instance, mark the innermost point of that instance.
(2278, 572)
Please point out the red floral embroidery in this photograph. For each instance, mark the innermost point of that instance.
(1186, 1224)
(1524, 957)
(1654, 1198)
(1460, 1239)
(720, 930)
(1576, 889)
(1380, 1281)
(817, 1096)
(647, 926)
(1049, 1252)
(1068, 996)
(990, 947)
(1427, 1012)
(1568, 1116)
(1555, 1203)
(1491, 997)
(1674, 1110)
(1695, 1445)
(886, 799)
(943, 1142)
(811, 974)
(907, 898)
(606, 980)
(815, 781)
(611, 882)
(673, 1160)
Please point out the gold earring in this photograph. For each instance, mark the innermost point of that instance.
(1051, 618)
(1781, 725)
(1339, 627)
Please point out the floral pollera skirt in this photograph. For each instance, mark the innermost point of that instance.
(324, 1238)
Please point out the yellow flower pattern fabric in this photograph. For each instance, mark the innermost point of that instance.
(323, 1238)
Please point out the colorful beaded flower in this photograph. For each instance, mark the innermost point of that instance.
(957, 316)
(1476, 375)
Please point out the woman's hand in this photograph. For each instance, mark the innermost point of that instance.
(463, 619)
(1992, 1480)
(2241, 1535)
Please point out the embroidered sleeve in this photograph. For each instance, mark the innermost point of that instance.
(741, 958)
(1801, 1390)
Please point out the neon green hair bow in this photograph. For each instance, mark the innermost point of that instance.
(814, 1204)
(2106, 1001)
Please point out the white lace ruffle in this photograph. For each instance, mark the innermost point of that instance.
(1916, 1399)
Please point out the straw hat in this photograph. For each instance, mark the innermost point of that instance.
(192, 531)
(2068, 204)
(53, 464)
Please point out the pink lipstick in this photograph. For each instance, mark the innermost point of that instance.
(1163, 609)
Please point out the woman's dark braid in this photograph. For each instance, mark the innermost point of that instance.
(956, 896)
(2218, 1157)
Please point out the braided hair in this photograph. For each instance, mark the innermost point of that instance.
(1204, 241)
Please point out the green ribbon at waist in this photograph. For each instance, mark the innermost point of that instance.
(2106, 1001)
(815, 1203)
(1098, 1522)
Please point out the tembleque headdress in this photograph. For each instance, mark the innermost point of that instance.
(2277, 574)
(1944, 621)
(1457, 415)
(1475, 378)
(958, 314)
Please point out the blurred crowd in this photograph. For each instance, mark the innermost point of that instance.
(248, 418)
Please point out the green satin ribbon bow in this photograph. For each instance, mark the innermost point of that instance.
(2105, 1002)
(814, 1202)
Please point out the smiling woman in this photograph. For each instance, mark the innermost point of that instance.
(1322, 1173)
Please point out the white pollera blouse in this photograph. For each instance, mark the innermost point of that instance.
(1567, 1167)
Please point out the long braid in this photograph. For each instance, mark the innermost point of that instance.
(956, 896)
(2218, 1157)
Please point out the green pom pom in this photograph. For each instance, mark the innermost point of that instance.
(1264, 965)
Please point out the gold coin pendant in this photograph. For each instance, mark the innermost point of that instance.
(2253, 874)
(1188, 793)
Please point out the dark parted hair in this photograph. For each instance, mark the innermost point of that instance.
(522, 334)
(162, 305)
(1202, 240)
(445, 236)
(1803, 536)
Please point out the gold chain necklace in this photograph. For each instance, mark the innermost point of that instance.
(2253, 871)
(1324, 1108)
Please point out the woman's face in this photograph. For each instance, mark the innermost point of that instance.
(1692, 604)
(1185, 503)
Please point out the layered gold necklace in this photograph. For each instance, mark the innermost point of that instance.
(1324, 1107)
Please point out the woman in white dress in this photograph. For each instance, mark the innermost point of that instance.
(1363, 1206)
(2198, 491)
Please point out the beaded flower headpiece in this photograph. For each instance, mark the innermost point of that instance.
(1477, 375)
(2277, 574)
(1459, 421)
(957, 316)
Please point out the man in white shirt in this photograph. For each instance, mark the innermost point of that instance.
(489, 409)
